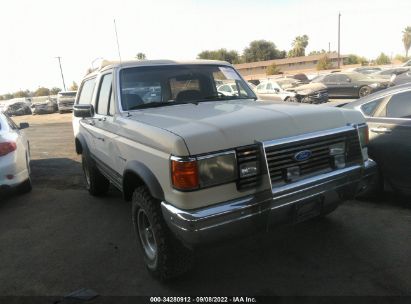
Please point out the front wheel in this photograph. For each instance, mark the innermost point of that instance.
(165, 257)
(364, 91)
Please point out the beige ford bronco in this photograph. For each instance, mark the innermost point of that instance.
(200, 165)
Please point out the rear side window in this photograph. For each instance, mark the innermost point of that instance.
(86, 91)
(369, 108)
(399, 106)
(104, 94)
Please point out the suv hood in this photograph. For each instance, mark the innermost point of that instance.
(219, 125)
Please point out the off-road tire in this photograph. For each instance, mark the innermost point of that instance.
(25, 187)
(172, 258)
(96, 183)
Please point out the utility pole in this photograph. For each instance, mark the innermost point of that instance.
(61, 70)
(339, 21)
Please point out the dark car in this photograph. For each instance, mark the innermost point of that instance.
(388, 114)
(349, 85)
(401, 79)
(392, 71)
(366, 69)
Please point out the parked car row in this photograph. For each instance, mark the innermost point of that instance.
(290, 89)
(25, 106)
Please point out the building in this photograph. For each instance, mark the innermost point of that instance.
(292, 65)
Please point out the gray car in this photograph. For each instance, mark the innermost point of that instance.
(388, 115)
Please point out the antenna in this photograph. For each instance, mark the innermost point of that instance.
(118, 45)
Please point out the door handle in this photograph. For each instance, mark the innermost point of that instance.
(100, 138)
(381, 130)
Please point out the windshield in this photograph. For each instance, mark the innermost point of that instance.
(287, 83)
(143, 87)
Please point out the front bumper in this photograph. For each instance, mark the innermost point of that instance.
(267, 209)
(317, 98)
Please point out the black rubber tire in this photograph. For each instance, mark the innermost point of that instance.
(364, 91)
(172, 258)
(25, 187)
(96, 183)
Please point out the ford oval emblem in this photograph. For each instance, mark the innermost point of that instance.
(302, 155)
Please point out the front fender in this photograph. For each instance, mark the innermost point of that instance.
(145, 175)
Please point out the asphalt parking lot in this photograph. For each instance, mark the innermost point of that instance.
(58, 239)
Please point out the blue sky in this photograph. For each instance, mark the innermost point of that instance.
(34, 32)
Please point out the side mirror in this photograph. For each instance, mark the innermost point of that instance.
(277, 90)
(83, 110)
(24, 125)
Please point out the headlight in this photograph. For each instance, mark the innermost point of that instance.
(338, 152)
(364, 140)
(217, 169)
(363, 135)
(203, 171)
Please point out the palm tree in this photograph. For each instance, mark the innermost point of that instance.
(141, 56)
(299, 44)
(406, 39)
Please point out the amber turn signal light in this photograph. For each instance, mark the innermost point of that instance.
(184, 174)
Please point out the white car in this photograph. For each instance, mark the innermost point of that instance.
(200, 166)
(277, 88)
(14, 156)
(230, 89)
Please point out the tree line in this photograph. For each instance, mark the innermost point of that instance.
(41, 91)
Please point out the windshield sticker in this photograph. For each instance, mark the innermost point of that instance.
(229, 73)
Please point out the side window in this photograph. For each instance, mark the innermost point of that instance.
(269, 86)
(260, 87)
(370, 107)
(399, 106)
(342, 78)
(11, 123)
(86, 91)
(104, 94)
(111, 109)
(330, 78)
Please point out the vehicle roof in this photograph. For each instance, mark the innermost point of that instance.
(136, 63)
(379, 94)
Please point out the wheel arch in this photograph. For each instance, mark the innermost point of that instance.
(80, 144)
(138, 174)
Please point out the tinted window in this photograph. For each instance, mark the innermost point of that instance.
(370, 107)
(399, 106)
(86, 92)
(104, 94)
(336, 78)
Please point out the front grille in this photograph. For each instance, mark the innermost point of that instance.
(244, 155)
(280, 157)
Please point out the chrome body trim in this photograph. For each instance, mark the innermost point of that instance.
(306, 136)
(264, 209)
